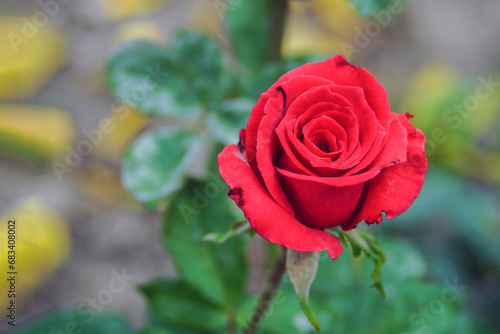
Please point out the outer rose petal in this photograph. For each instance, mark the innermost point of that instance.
(396, 187)
(396, 147)
(268, 148)
(338, 70)
(268, 218)
(319, 205)
(252, 127)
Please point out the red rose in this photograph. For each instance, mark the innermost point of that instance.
(323, 149)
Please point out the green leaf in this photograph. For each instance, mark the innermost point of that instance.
(151, 329)
(237, 230)
(180, 80)
(367, 7)
(175, 304)
(227, 120)
(217, 271)
(155, 165)
(248, 24)
(362, 242)
(67, 320)
(302, 268)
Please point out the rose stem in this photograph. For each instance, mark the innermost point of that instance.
(279, 9)
(272, 285)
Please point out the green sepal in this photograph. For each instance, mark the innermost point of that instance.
(302, 268)
(361, 242)
(309, 313)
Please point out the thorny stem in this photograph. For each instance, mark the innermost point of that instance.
(272, 285)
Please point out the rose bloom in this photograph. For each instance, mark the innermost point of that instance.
(323, 149)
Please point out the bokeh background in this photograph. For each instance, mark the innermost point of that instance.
(78, 227)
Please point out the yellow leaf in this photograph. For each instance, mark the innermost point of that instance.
(40, 132)
(105, 185)
(125, 126)
(122, 9)
(204, 17)
(338, 16)
(139, 30)
(42, 244)
(302, 38)
(319, 27)
(30, 56)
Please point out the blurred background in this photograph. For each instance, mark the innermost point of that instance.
(79, 229)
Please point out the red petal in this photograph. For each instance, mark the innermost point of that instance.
(395, 149)
(319, 205)
(268, 149)
(360, 151)
(268, 218)
(262, 144)
(338, 70)
(396, 187)
(299, 157)
(323, 202)
(252, 127)
(295, 87)
(343, 181)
